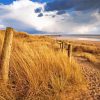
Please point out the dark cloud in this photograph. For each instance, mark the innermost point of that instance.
(53, 16)
(61, 12)
(38, 10)
(40, 15)
(58, 5)
(85, 18)
(75, 4)
(88, 5)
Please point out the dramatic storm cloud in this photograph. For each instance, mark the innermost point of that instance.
(65, 16)
(73, 4)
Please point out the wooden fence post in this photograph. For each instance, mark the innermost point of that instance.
(70, 52)
(62, 47)
(5, 56)
(61, 43)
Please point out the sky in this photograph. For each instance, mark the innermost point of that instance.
(51, 16)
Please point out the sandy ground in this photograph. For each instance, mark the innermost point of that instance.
(92, 77)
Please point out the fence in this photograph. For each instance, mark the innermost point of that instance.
(68, 48)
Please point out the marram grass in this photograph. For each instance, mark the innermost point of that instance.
(39, 72)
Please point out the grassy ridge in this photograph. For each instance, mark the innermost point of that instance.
(85, 46)
(38, 71)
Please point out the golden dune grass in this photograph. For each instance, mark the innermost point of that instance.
(38, 71)
(90, 57)
(85, 46)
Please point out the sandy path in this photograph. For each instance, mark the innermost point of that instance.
(92, 76)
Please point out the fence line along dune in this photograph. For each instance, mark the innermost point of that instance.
(38, 70)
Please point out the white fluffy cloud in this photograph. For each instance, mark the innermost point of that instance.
(21, 16)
